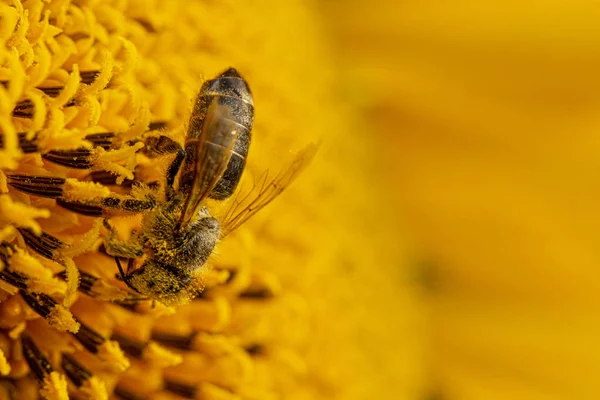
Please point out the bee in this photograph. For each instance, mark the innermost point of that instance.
(178, 235)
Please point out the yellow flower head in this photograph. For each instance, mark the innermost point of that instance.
(85, 86)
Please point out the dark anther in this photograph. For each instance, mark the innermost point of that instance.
(44, 186)
(76, 159)
(36, 360)
(130, 346)
(127, 395)
(154, 126)
(86, 281)
(174, 341)
(80, 208)
(88, 77)
(89, 338)
(52, 91)
(108, 178)
(257, 294)
(45, 244)
(102, 139)
(255, 349)
(13, 278)
(26, 145)
(182, 389)
(76, 372)
(41, 303)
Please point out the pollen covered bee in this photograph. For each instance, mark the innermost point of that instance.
(178, 233)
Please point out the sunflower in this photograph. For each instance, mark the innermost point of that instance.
(287, 307)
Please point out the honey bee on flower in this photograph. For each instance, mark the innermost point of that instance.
(178, 233)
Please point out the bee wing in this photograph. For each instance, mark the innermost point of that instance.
(264, 191)
(214, 148)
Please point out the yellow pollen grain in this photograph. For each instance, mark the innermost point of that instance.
(74, 190)
(109, 160)
(51, 286)
(21, 261)
(160, 357)
(39, 109)
(213, 344)
(86, 242)
(20, 214)
(64, 140)
(62, 320)
(89, 112)
(70, 88)
(72, 280)
(10, 289)
(106, 71)
(54, 387)
(4, 365)
(94, 389)
(110, 352)
(130, 60)
(140, 125)
(7, 233)
(15, 332)
(3, 183)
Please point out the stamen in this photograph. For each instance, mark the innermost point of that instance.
(80, 208)
(27, 145)
(4, 365)
(57, 316)
(106, 350)
(133, 347)
(150, 351)
(13, 278)
(255, 349)
(181, 389)
(89, 338)
(10, 389)
(107, 178)
(83, 378)
(74, 370)
(257, 294)
(99, 289)
(37, 361)
(88, 77)
(44, 186)
(127, 395)
(175, 341)
(25, 108)
(46, 245)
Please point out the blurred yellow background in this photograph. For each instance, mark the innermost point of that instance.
(485, 121)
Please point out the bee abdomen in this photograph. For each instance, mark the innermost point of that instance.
(231, 91)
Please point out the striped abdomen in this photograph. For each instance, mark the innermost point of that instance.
(232, 93)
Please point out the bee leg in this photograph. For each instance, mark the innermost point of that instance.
(120, 248)
(66, 191)
(106, 206)
(123, 276)
(162, 145)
